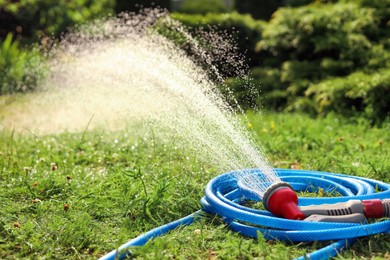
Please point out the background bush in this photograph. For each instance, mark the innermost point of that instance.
(318, 45)
(297, 56)
(264, 9)
(20, 70)
(259, 9)
(245, 30)
(315, 56)
(317, 31)
(203, 7)
(354, 95)
(33, 19)
(136, 5)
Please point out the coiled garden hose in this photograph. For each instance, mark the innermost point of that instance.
(224, 197)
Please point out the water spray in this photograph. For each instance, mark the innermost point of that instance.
(120, 73)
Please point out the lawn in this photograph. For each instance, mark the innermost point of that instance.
(80, 195)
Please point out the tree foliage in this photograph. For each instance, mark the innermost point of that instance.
(33, 19)
(203, 7)
(322, 51)
(136, 5)
(359, 92)
(245, 30)
(20, 70)
(315, 56)
(259, 9)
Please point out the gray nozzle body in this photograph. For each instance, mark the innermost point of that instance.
(337, 209)
(386, 207)
(369, 208)
(351, 218)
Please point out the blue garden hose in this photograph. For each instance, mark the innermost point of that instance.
(224, 198)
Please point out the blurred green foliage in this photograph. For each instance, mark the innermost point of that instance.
(264, 9)
(34, 19)
(203, 7)
(381, 12)
(317, 31)
(136, 5)
(305, 48)
(245, 30)
(322, 52)
(310, 56)
(359, 92)
(20, 70)
(27, 22)
(242, 91)
(259, 9)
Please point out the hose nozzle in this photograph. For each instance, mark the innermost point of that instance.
(372, 208)
(282, 201)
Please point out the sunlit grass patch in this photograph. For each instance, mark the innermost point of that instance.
(80, 195)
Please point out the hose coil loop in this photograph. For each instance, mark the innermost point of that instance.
(224, 198)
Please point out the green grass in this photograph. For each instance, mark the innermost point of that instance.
(71, 196)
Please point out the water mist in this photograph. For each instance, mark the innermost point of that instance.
(121, 72)
(118, 72)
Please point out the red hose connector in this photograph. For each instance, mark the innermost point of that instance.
(282, 201)
(373, 208)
